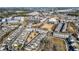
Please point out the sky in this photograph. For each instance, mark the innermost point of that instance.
(39, 3)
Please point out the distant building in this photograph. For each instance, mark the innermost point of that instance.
(34, 13)
(34, 19)
(53, 20)
(13, 20)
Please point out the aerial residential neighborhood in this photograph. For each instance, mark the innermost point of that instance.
(39, 29)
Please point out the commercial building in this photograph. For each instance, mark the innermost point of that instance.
(59, 27)
(61, 35)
